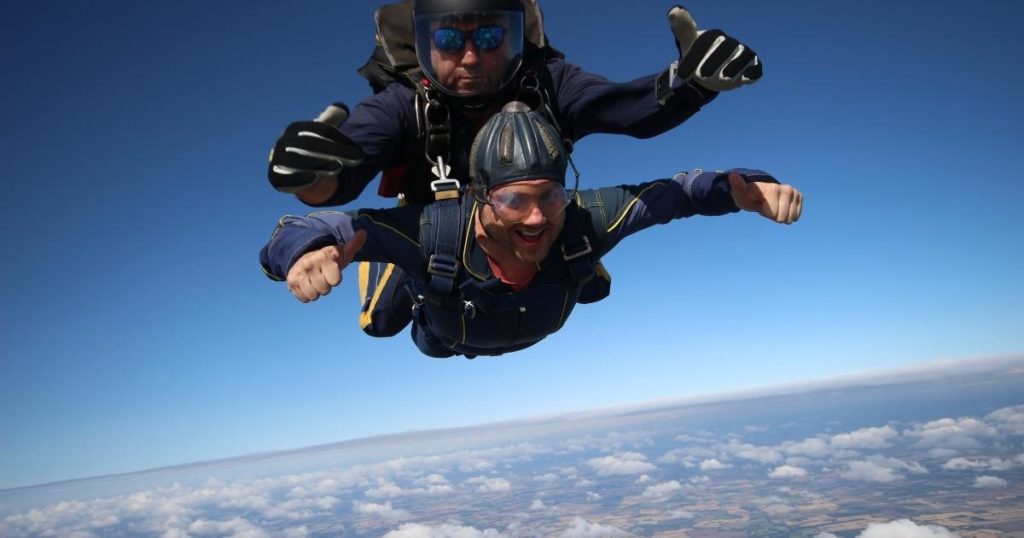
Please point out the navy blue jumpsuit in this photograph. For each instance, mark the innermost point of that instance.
(606, 216)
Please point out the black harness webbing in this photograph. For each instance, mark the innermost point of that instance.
(440, 237)
(441, 233)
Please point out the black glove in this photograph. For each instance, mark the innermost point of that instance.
(309, 150)
(711, 58)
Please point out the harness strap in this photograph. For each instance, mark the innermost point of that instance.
(576, 250)
(440, 244)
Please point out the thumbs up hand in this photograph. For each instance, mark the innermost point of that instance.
(319, 271)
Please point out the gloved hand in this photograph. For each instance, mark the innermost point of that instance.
(309, 150)
(711, 58)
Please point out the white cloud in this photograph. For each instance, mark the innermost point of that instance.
(813, 447)
(490, 485)
(177, 510)
(964, 464)
(868, 471)
(941, 453)
(547, 477)
(236, 527)
(746, 451)
(997, 464)
(663, 490)
(1009, 419)
(625, 463)
(989, 482)
(952, 433)
(787, 471)
(684, 455)
(415, 530)
(582, 528)
(386, 488)
(296, 532)
(591, 496)
(433, 479)
(864, 438)
(713, 465)
(476, 466)
(904, 528)
(898, 464)
(383, 511)
(537, 504)
(643, 479)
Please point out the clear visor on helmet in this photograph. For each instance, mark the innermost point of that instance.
(470, 53)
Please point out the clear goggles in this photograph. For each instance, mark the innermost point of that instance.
(513, 205)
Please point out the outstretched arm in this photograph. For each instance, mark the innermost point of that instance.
(317, 272)
(709, 62)
(776, 201)
(330, 160)
(301, 249)
(618, 212)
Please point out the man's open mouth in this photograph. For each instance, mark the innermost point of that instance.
(530, 236)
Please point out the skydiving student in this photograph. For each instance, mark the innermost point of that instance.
(441, 68)
(500, 267)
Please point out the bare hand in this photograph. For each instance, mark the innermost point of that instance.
(318, 271)
(778, 202)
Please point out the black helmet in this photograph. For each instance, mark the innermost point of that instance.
(444, 28)
(516, 144)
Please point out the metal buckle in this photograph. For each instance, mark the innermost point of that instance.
(469, 309)
(445, 184)
(574, 255)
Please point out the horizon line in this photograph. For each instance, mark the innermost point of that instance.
(916, 372)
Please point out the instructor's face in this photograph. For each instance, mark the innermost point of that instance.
(530, 233)
(470, 70)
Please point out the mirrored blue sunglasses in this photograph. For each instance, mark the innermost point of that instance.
(484, 37)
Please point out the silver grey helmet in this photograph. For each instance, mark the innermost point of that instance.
(516, 144)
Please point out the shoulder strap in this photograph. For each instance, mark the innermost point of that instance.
(576, 249)
(441, 233)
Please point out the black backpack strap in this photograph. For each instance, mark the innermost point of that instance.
(441, 233)
(576, 249)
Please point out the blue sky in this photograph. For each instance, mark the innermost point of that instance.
(137, 330)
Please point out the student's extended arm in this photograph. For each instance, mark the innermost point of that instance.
(617, 212)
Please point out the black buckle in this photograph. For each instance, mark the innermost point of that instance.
(586, 250)
(442, 266)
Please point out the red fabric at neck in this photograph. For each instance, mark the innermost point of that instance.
(518, 285)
